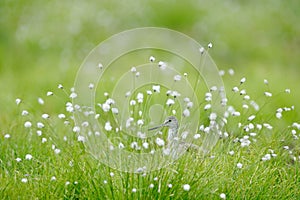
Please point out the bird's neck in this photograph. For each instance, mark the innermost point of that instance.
(172, 133)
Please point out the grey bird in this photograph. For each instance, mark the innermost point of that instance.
(173, 140)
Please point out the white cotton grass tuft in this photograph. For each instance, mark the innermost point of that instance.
(160, 142)
(41, 101)
(243, 80)
(151, 58)
(27, 124)
(268, 94)
(223, 196)
(49, 93)
(239, 165)
(201, 50)
(18, 101)
(186, 187)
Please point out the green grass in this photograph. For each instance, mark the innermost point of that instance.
(42, 45)
(77, 175)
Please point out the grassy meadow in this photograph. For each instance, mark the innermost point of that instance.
(42, 45)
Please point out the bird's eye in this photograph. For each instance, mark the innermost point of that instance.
(170, 120)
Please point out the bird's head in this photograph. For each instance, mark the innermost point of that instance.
(170, 122)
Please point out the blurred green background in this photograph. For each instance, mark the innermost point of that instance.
(42, 43)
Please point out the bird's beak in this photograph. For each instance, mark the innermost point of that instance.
(154, 128)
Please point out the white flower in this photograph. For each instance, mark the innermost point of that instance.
(245, 106)
(28, 157)
(266, 157)
(60, 86)
(140, 122)
(80, 138)
(207, 106)
(221, 72)
(140, 97)
(246, 97)
(146, 145)
(156, 88)
(231, 72)
(61, 116)
(56, 151)
(278, 115)
(266, 82)
(170, 102)
(251, 117)
(105, 107)
(287, 91)
(44, 140)
(27, 124)
(45, 116)
(121, 145)
(151, 185)
(223, 196)
(115, 110)
(134, 145)
(128, 122)
(18, 159)
(268, 126)
(91, 85)
(254, 105)
(24, 180)
(41, 101)
(18, 101)
(231, 152)
(197, 136)
(40, 125)
(245, 141)
(49, 93)
(213, 116)
(39, 132)
(25, 112)
(100, 66)
(186, 113)
(69, 107)
(107, 126)
(133, 69)
(76, 129)
(134, 190)
(53, 178)
(186, 187)
(239, 165)
(268, 94)
(243, 80)
(170, 185)
(208, 98)
(253, 134)
(201, 49)
(213, 88)
(6, 136)
(210, 45)
(132, 102)
(243, 92)
(236, 113)
(235, 89)
(111, 174)
(152, 59)
(73, 95)
(177, 78)
(162, 65)
(160, 142)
